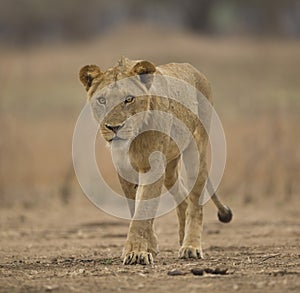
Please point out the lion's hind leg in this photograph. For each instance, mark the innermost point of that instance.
(175, 186)
(191, 246)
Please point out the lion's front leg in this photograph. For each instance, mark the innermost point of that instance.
(129, 190)
(141, 244)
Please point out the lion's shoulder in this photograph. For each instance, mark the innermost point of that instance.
(189, 74)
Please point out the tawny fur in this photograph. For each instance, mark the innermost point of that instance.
(141, 244)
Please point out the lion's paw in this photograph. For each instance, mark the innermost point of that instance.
(190, 252)
(138, 257)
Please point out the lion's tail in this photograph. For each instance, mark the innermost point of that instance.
(224, 212)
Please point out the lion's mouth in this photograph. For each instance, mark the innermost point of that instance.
(115, 138)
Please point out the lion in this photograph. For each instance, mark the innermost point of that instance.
(119, 104)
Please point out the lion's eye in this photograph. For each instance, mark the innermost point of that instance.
(129, 99)
(101, 100)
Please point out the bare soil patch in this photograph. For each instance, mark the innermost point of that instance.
(77, 249)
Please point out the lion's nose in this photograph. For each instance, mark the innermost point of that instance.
(114, 128)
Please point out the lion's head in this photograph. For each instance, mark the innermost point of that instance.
(117, 94)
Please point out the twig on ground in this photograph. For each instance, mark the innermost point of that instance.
(268, 257)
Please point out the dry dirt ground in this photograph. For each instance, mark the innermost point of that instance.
(76, 248)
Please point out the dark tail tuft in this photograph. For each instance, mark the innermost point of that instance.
(225, 215)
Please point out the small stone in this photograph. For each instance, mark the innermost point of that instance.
(209, 271)
(175, 273)
(50, 287)
(219, 271)
(197, 272)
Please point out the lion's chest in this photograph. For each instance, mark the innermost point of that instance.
(148, 142)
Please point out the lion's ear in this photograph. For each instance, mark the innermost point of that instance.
(87, 74)
(144, 69)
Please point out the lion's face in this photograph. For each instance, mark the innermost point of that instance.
(117, 95)
(113, 108)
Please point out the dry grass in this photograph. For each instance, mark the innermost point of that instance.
(256, 89)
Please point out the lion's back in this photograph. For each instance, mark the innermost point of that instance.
(188, 73)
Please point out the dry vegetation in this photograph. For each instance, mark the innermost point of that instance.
(255, 84)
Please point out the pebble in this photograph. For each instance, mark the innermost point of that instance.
(175, 273)
(197, 272)
(217, 271)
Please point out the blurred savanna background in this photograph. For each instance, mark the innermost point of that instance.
(249, 50)
(52, 237)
